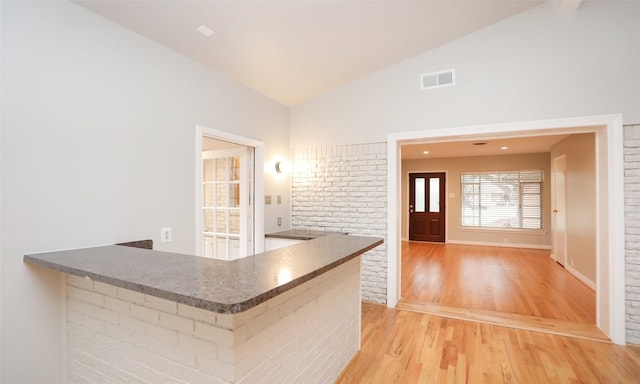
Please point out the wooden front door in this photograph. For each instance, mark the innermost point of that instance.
(427, 207)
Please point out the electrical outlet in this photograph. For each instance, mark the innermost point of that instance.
(279, 221)
(267, 199)
(279, 199)
(165, 235)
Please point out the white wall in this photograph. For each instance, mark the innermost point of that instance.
(581, 202)
(98, 146)
(533, 66)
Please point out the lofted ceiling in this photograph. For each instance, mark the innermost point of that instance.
(294, 50)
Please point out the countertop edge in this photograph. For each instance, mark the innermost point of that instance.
(212, 306)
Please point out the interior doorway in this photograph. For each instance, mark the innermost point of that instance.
(227, 199)
(559, 212)
(229, 195)
(609, 177)
(427, 207)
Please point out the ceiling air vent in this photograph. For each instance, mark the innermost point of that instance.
(438, 79)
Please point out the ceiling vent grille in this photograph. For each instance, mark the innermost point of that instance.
(438, 79)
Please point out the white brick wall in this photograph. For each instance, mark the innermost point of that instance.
(344, 188)
(305, 335)
(332, 188)
(632, 231)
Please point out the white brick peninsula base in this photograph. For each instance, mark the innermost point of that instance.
(305, 333)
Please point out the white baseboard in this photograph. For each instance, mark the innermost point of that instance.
(581, 277)
(496, 244)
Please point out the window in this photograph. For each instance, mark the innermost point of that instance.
(502, 199)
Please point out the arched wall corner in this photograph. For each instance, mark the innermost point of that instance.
(610, 290)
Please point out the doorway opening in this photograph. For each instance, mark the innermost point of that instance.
(558, 213)
(229, 213)
(609, 190)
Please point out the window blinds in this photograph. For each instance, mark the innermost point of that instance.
(502, 199)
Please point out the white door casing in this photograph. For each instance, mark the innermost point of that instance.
(610, 271)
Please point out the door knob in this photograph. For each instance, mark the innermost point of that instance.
(555, 211)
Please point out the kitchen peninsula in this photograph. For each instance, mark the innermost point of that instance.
(138, 315)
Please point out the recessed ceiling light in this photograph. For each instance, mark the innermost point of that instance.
(205, 30)
(503, 148)
(425, 152)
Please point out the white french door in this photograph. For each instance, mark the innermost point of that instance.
(227, 203)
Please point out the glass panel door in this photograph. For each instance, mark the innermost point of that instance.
(227, 206)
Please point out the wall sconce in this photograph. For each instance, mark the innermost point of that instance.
(282, 167)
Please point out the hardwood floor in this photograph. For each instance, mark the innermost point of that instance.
(507, 280)
(510, 295)
(407, 347)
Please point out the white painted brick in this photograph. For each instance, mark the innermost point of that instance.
(260, 349)
(145, 314)
(177, 323)
(213, 334)
(197, 314)
(262, 322)
(132, 324)
(105, 289)
(278, 300)
(77, 331)
(166, 350)
(116, 305)
(160, 304)
(216, 367)
(632, 231)
(243, 318)
(119, 332)
(80, 282)
(226, 321)
(92, 310)
(162, 334)
(86, 321)
(130, 296)
(200, 347)
(85, 296)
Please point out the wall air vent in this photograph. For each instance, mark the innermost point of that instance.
(438, 79)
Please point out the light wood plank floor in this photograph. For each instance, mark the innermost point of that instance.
(508, 280)
(408, 347)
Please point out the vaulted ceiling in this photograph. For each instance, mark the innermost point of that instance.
(294, 50)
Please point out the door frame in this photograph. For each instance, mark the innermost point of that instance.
(610, 268)
(258, 187)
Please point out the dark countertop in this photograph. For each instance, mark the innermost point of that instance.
(215, 285)
(300, 234)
